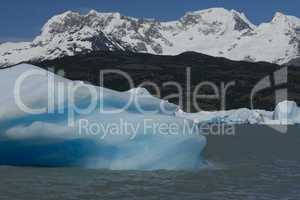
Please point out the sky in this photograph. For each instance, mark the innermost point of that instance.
(22, 20)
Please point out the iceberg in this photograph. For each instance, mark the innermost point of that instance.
(285, 113)
(239, 116)
(47, 120)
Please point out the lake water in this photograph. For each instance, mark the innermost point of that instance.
(242, 167)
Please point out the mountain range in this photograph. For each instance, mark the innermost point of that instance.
(216, 32)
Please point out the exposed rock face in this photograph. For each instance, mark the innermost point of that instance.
(240, 24)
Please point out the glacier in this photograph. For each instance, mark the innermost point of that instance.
(47, 137)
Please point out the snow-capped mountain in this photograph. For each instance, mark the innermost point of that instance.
(217, 32)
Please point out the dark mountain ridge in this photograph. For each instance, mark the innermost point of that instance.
(240, 76)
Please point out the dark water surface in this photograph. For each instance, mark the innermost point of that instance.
(247, 180)
(263, 168)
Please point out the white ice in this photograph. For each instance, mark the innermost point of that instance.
(285, 113)
(49, 139)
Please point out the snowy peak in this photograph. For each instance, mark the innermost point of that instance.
(279, 17)
(216, 32)
(285, 20)
(61, 23)
(72, 22)
(218, 16)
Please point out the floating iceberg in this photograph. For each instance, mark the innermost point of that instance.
(285, 113)
(47, 120)
(70, 123)
(240, 116)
